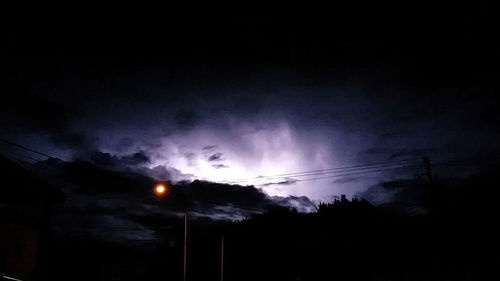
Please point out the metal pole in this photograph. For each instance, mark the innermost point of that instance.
(185, 243)
(222, 260)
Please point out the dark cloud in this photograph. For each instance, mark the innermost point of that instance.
(165, 173)
(404, 191)
(346, 180)
(95, 191)
(138, 158)
(246, 198)
(242, 196)
(300, 203)
(103, 158)
(210, 147)
(107, 159)
(215, 157)
(283, 182)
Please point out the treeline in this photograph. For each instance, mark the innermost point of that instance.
(455, 238)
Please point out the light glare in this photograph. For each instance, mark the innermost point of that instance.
(160, 190)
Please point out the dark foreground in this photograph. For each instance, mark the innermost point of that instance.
(456, 239)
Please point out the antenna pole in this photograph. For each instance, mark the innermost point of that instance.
(185, 243)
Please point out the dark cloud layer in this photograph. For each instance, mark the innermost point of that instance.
(109, 160)
(102, 198)
(215, 157)
(403, 191)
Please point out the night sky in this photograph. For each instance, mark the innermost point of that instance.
(229, 98)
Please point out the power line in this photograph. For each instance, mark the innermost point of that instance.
(312, 172)
(15, 154)
(107, 230)
(350, 174)
(365, 172)
(25, 148)
(328, 172)
(333, 170)
(377, 166)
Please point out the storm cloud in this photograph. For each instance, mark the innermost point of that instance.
(100, 198)
(237, 104)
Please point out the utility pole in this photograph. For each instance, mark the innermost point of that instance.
(436, 193)
(185, 243)
(222, 259)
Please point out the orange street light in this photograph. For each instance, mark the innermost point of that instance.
(160, 190)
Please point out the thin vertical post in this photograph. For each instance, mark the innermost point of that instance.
(185, 243)
(436, 193)
(222, 259)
